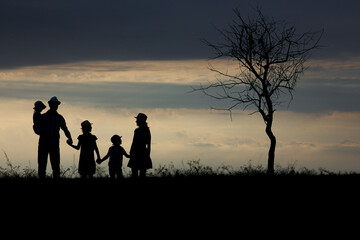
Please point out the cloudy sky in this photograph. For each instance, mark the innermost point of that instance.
(108, 60)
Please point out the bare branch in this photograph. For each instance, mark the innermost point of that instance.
(271, 57)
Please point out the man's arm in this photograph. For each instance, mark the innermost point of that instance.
(77, 147)
(66, 130)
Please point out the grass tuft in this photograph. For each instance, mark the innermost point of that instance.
(192, 168)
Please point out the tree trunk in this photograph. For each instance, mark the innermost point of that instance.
(271, 155)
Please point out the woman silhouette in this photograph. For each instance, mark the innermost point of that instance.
(140, 149)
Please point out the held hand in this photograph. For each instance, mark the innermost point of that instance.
(98, 161)
(69, 141)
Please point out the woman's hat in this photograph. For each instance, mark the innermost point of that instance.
(141, 117)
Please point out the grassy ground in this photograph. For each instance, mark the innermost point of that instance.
(193, 183)
(197, 184)
(193, 201)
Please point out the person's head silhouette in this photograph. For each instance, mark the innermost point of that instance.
(116, 140)
(141, 119)
(86, 126)
(39, 106)
(54, 103)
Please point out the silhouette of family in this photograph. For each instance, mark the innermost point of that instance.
(48, 125)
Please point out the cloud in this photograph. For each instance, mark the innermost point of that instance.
(92, 30)
(345, 147)
(107, 95)
(178, 135)
(178, 72)
(243, 141)
(328, 86)
(70, 31)
(204, 145)
(322, 98)
(167, 84)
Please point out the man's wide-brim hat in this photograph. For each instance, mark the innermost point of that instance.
(54, 100)
(141, 117)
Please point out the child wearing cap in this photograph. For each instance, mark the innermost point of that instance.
(116, 153)
(37, 122)
(87, 144)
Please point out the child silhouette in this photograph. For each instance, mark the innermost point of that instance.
(116, 153)
(37, 121)
(87, 144)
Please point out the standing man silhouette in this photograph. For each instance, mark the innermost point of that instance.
(49, 139)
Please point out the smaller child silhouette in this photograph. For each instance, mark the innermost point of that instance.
(38, 107)
(116, 153)
(87, 143)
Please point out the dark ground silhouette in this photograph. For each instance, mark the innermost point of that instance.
(244, 206)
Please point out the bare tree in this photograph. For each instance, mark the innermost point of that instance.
(271, 56)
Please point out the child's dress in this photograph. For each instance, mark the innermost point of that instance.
(87, 143)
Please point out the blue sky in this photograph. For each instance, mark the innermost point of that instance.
(108, 60)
